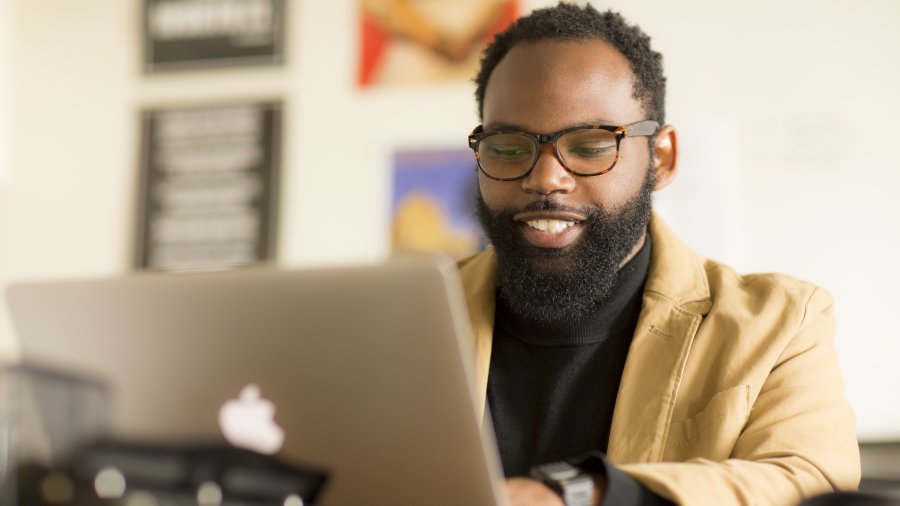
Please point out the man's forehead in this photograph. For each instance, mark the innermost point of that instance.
(494, 126)
(556, 84)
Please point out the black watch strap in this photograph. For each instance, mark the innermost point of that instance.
(572, 484)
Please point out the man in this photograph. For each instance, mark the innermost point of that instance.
(603, 341)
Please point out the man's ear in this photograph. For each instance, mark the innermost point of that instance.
(665, 156)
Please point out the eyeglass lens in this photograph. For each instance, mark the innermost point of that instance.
(586, 152)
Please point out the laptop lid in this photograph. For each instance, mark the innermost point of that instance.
(369, 369)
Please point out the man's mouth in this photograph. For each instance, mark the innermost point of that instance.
(551, 226)
(550, 229)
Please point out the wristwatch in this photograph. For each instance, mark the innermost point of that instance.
(575, 486)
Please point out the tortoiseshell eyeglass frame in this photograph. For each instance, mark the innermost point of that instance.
(638, 129)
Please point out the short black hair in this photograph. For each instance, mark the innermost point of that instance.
(572, 22)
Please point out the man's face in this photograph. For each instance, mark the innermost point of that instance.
(595, 223)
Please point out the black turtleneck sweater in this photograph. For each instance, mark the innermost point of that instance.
(552, 388)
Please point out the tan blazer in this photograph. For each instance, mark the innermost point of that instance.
(731, 392)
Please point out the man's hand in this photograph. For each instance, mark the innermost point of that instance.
(528, 492)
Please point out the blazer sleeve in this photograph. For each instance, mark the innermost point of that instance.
(799, 439)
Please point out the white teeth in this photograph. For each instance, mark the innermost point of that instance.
(552, 226)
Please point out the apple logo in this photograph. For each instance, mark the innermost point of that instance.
(249, 422)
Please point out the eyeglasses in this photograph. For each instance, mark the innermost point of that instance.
(583, 150)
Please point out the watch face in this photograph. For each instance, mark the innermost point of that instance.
(562, 471)
(574, 485)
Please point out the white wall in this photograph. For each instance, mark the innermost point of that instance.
(785, 110)
(6, 38)
(6, 25)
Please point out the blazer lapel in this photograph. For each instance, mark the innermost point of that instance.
(676, 297)
(650, 381)
(478, 275)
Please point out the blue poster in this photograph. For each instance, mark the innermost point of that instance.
(433, 200)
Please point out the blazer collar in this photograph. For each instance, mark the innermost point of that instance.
(676, 272)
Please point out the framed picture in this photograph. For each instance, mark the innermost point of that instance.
(191, 34)
(208, 186)
(426, 41)
(433, 202)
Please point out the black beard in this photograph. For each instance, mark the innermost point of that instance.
(546, 285)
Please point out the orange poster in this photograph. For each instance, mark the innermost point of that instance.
(426, 41)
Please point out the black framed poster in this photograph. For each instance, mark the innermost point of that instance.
(208, 186)
(189, 34)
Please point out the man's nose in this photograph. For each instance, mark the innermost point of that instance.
(548, 175)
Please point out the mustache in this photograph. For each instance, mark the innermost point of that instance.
(549, 205)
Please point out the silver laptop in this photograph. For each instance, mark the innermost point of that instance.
(364, 372)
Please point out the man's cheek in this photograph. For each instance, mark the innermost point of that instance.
(498, 195)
